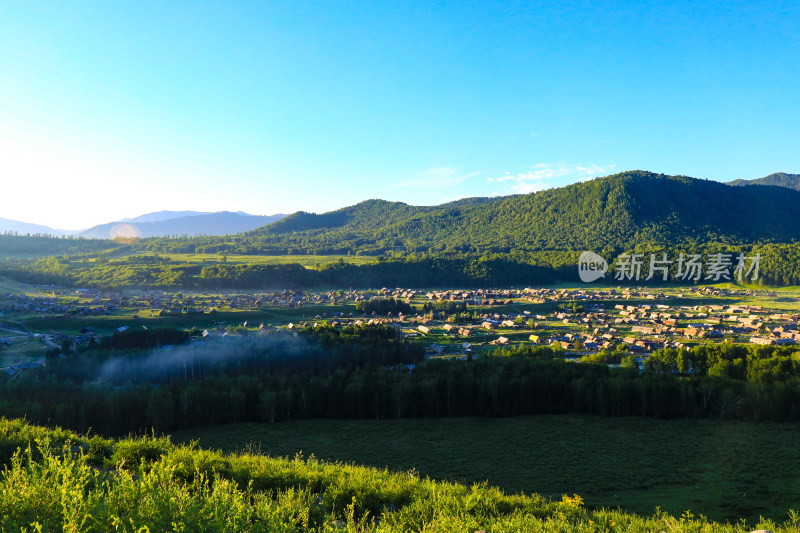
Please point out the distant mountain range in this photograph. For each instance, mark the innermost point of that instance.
(162, 225)
(158, 224)
(24, 228)
(159, 216)
(779, 179)
(615, 211)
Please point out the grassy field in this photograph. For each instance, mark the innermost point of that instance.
(722, 470)
(106, 324)
(309, 261)
(9, 286)
(22, 351)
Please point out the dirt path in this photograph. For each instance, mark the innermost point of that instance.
(14, 331)
(18, 289)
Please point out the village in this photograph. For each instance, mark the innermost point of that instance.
(589, 320)
(449, 323)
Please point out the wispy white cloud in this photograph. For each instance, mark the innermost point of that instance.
(542, 175)
(437, 177)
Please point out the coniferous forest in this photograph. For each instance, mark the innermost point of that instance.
(366, 372)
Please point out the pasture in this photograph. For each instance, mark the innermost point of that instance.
(722, 470)
(308, 261)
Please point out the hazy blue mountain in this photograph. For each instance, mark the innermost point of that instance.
(159, 216)
(779, 179)
(24, 228)
(221, 223)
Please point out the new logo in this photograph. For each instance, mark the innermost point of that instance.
(591, 267)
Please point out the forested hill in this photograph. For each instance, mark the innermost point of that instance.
(614, 212)
(779, 179)
(367, 215)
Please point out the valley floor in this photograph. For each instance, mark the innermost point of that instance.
(723, 470)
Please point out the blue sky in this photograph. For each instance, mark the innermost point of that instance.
(113, 109)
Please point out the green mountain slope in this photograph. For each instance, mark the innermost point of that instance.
(368, 215)
(617, 211)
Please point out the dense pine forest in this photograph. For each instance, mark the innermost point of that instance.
(365, 372)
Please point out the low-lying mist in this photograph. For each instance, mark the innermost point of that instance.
(203, 357)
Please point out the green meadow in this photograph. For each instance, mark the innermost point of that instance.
(106, 324)
(56, 480)
(722, 470)
(308, 261)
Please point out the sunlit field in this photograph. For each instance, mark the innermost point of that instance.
(308, 261)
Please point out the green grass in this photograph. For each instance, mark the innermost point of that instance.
(22, 350)
(149, 484)
(15, 287)
(106, 324)
(722, 470)
(309, 261)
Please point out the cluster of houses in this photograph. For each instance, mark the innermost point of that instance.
(23, 303)
(82, 302)
(14, 370)
(470, 297)
(582, 320)
(90, 302)
(643, 327)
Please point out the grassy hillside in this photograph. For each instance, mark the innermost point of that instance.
(718, 469)
(58, 481)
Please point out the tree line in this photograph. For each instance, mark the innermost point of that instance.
(369, 372)
(778, 264)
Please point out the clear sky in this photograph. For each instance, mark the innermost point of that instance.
(114, 109)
